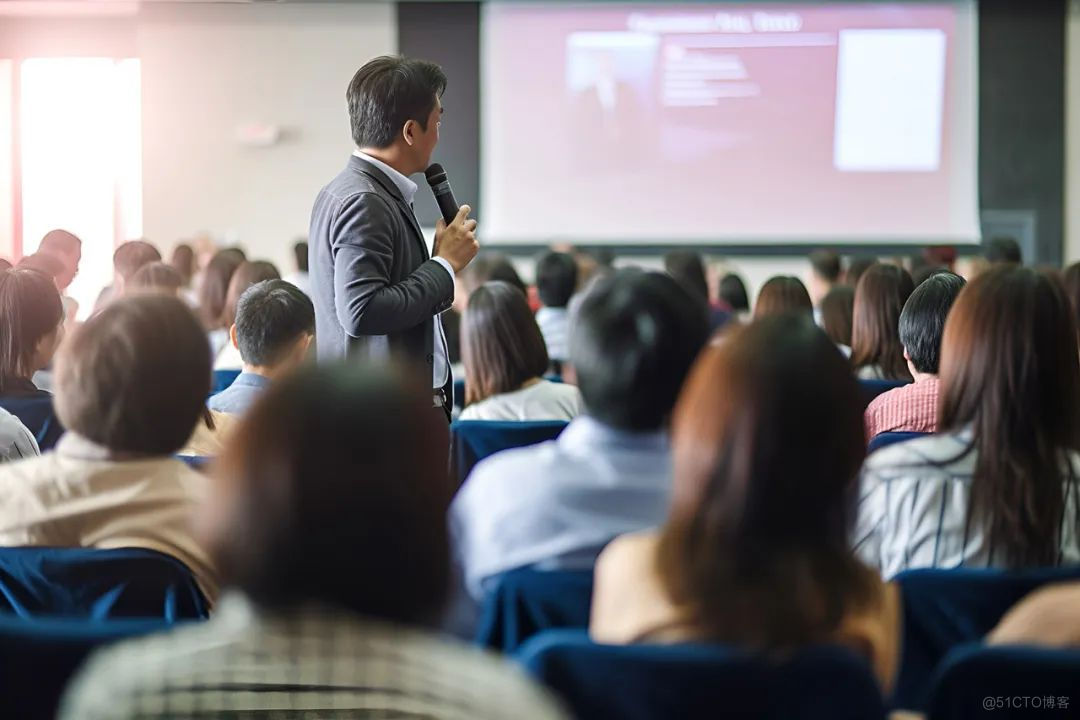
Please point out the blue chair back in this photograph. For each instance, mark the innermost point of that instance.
(223, 379)
(97, 584)
(886, 439)
(38, 415)
(872, 388)
(40, 656)
(691, 681)
(977, 682)
(196, 462)
(943, 609)
(525, 602)
(474, 440)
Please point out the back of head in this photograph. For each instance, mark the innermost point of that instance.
(837, 309)
(134, 377)
(826, 265)
(501, 344)
(922, 321)
(783, 294)
(30, 309)
(183, 261)
(4, 264)
(1003, 250)
(271, 317)
(632, 342)
(60, 242)
(246, 275)
(556, 278)
(875, 336)
(767, 442)
(1010, 371)
(386, 93)
(856, 268)
(157, 276)
(491, 266)
(688, 269)
(1071, 278)
(132, 255)
(300, 255)
(733, 292)
(215, 285)
(347, 458)
(45, 263)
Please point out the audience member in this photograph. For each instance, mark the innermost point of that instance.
(837, 309)
(733, 294)
(558, 503)
(824, 274)
(157, 277)
(5, 265)
(876, 352)
(484, 268)
(556, 281)
(914, 407)
(1049, 616)
(767, 442)
(328, 460)
(782, 294)
(46, 264)
(1003, 250)
(246, 275)
(183, 261)
(688, 269)
(127, 260)
(131, 382)
(299, 277)
(31, 328)
(856, 267)
(274, 327)
(68, 247)
(505, 359)
(16, 440)
(213, 289)
(1071, 278)
(997, 485)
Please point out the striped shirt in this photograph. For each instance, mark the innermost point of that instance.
(310, 663)
(16, 441)
(913, 508)
(910, 408)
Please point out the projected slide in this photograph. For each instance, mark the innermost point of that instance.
(732, 123)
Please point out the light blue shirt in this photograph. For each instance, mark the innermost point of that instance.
(558, 503)
(441, 363)
(238, 397)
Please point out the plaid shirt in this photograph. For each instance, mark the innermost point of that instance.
(311, 663)
(911, 408)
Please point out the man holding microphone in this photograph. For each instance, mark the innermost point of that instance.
(376, 290)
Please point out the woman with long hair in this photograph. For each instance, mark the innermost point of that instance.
(247, 274)
(997, 486)
(783, 294)
(876, 352)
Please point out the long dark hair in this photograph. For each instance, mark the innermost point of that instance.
(246, 275)
(837, 310)
(30, 309)
(1010, 370)
(767, 440)
(783, 294)
(215, 285)
(501, 344)
(875, 335)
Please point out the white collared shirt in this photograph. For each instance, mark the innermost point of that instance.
(441, 364)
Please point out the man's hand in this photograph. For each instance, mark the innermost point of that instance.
(456, 242)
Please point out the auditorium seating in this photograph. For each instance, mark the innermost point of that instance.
(886, 439)
(976, 682)
(97, 584)
(944, 609)
(872, 388)
(39, 656)
(525, 602)
(689, 681)
(222, 380)
(474, 440)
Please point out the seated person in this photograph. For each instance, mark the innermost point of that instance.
(275, 324)
(130, 384)
(998, 485)
(329, 459)
(782, 294)
(767, 441)
(68, 248)
(556, 280)
(249, 273)
(157, 277)
(1050, 617)
(31, 328)
(876, 352)
(558, 503)
(836, 310)
(914, 407)
(16, 441)
(505, 358)
(825, 273)
(128, 258)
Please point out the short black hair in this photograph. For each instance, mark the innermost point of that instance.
(1003, 249)
(300, 254)
(270, 316)
(687, 267)
(826, 265)
(556, 278)
(733, 292)
(386, 93)
(922, 321)
(632, 341)
(857, 267)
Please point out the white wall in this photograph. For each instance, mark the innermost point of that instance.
(207, 69)
(1072, 134)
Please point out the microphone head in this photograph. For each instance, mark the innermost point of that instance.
(435, 174)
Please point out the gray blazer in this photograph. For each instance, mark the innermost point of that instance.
(373, 282)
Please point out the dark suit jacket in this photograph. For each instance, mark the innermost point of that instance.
(375, 287)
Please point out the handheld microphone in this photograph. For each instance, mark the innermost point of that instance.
(444, 194)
